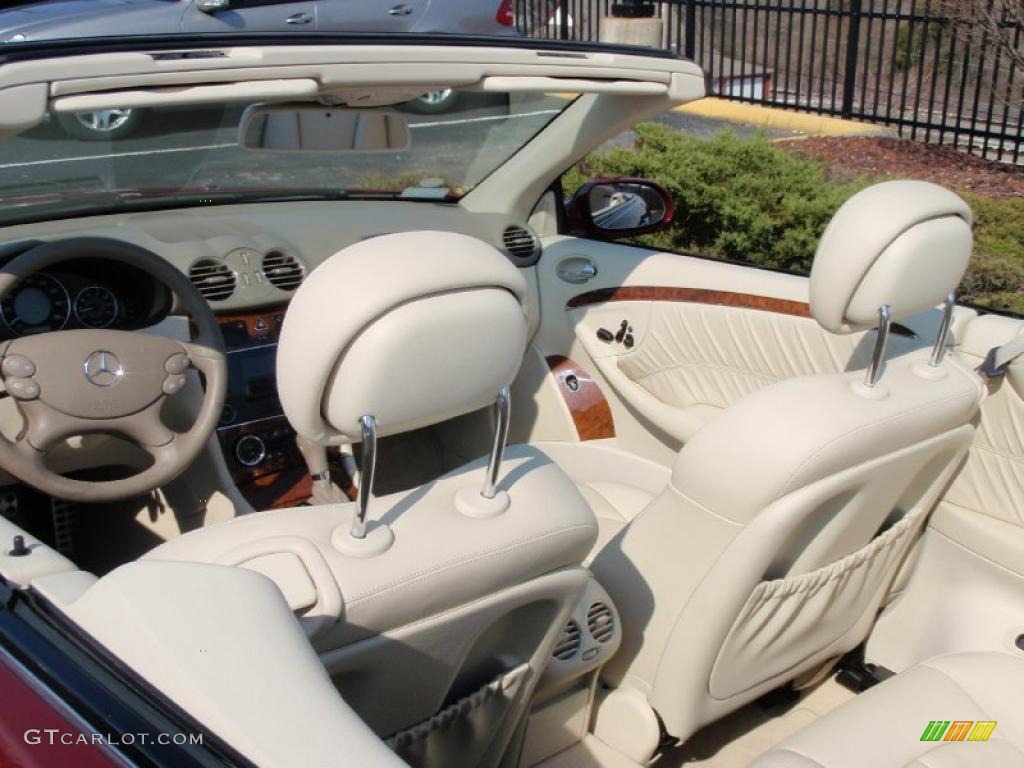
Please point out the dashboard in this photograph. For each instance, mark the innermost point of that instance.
(85, 293)
(247, 261)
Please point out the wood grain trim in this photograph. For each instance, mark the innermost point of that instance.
(589, 409)
(694, 295)
(704, 296)
(243, 329)
(279, 489)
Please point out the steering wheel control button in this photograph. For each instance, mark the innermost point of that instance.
(22, 389)
(177, 363)
(103, 368)
(250, 450)
(18, 365)
(174, 383)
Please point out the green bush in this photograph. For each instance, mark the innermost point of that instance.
(750, 201)
(735, 199)
(995, 278)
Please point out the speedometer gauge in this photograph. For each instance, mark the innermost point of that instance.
(39, 303)
(95, 307)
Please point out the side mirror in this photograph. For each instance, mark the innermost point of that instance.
(212, 6)
(619, 208)
(319, 129)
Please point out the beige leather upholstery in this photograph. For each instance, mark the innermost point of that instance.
(697, 359)
(788, 515)
(882, 727)
(616, 484)
(438, 636)
(439, 559)
(412, 328)
(974, 543)
(992, 482)
(900, 243)
(222, 644)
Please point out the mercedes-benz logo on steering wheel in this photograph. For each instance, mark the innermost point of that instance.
(103, 369)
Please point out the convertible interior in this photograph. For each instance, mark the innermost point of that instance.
(372, 445)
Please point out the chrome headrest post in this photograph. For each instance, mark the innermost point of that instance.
(368, 462)
(874, 371)
(939, 350)
(502, 409)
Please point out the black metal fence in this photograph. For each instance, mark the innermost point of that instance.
(941, 71)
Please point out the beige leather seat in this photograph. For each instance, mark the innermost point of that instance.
(786, 517)
(886, 726)
(434, 610)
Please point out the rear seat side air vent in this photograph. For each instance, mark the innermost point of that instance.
(601, 622)
(283, 270)
(213, 279)
(569, 642)
(521, 244)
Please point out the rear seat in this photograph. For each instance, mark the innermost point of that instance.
(885, 727)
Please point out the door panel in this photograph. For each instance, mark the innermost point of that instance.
(254, 16)
(704, 333)
(370, 15)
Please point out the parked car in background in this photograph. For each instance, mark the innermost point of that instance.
(59, 19)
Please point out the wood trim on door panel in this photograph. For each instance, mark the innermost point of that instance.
(587, 405)
(704, 296)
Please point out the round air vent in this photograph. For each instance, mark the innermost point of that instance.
(214, 280)
(520, 243)
(601, 622)
(568, 644)
(283, 270)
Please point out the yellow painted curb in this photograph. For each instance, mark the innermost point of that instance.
(773, 117)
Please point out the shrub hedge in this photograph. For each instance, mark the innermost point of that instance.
(747, 200)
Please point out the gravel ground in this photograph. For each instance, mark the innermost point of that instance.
(855, 157)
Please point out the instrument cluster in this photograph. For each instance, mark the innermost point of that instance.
(83, 294)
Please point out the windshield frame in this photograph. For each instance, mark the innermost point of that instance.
(208, 43)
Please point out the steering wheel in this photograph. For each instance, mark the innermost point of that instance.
(79, 382)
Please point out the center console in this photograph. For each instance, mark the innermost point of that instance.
(256, 438)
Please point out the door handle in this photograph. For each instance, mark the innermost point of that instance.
(298, 18)
(400, 10)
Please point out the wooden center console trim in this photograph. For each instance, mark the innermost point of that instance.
(277, 490)
(703, 296)
(587, 405)
(244, 329)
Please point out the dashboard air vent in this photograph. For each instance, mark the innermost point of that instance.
(568, 644)
(601, 622)
(214, 280)
(520, 242)
(283, 270)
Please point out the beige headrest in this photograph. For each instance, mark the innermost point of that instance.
(412, 328)
(901, 243)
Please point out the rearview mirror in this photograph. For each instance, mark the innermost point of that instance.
(619, 208)
(319, 129)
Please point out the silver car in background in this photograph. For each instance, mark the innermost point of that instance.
(62, 19)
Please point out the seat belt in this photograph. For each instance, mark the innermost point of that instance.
(999, 358)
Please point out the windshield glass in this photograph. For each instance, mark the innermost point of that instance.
(112, 160)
